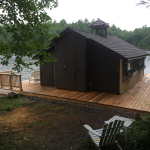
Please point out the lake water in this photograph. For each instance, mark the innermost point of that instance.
(147, 63)
(26, 72)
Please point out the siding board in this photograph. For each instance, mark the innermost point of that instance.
(104, 73)
(61, 71)
(72, 48)
(80, 71)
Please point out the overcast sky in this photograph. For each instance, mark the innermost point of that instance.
(123, 13)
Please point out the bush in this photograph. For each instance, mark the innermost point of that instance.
(86, 144)
(140, 139)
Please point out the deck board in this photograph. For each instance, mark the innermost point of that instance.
(137, 98)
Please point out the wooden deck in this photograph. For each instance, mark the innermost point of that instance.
(137, 98)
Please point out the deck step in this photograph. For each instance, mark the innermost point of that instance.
(4, 91)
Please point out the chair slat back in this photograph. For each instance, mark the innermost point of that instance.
(110, 131)
(35, 74)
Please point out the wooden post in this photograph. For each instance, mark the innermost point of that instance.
(96, 31)
(20, 83)
(120, 78)
(0, 81)
(10, 82)
(105, 32)
(102, 31)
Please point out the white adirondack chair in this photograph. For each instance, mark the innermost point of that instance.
(107, 135)
(127, 123)
(35, 76)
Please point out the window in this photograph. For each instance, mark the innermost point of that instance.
(124, 68)
(141, 62)
(130, 65)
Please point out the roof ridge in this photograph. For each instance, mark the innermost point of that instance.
(83, 31)
(89, 32)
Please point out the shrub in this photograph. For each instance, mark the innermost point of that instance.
(139, 140)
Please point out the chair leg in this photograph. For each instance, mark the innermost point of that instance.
(125, 128)
(118, 145)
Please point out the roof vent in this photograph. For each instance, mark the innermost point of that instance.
(100, 28)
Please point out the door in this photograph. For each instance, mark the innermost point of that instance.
(71, 71)
(80, 71)
(61, 70)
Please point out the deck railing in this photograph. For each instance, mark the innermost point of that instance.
(7, 79)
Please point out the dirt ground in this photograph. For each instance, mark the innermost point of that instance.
(53, 126)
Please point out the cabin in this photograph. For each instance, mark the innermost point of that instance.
(92, 61)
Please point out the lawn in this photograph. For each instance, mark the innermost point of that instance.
(27, 124)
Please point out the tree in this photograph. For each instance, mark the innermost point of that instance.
(147, 3)
(25, 21)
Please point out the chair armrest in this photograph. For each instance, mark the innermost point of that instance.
(90, 129)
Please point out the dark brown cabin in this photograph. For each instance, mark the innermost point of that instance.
(92, 61)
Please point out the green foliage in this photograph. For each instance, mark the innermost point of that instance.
(139, 37)
(140, 139)
(24, 30)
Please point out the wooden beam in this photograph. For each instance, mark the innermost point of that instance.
(20, 83)
(120, 78)
(0, 81)
(10, 82)
(105, 32)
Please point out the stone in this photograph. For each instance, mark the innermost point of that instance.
(12, 95)
(20, 95)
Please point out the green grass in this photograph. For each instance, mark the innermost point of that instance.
(7, 104)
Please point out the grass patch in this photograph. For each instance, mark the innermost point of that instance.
(7, 104)
(37, 124)
(12, 140)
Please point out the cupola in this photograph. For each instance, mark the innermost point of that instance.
(99, 27)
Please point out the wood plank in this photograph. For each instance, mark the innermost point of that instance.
(111, 98)
(136, 98)
(98, 97)
(80, 97)
(77, 95)
(131, 96)
(94, 94)
(104, 99)
(135, 101)
(142, 99)
(88, 97)
(147, 103)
